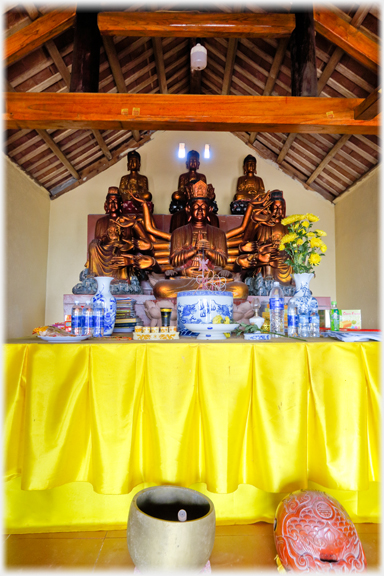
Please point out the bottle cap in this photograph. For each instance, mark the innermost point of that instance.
(76, 301)
(333, 303)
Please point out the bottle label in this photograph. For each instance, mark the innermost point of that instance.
(293, 321)
(76, 322)
(303, 319)
(276, 303)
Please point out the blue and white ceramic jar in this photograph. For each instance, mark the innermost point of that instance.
(303, 298)
(104, 296)
(201, 306)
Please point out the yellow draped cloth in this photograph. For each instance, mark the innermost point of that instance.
(88, 425)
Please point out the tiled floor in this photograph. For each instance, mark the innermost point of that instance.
(236, 548)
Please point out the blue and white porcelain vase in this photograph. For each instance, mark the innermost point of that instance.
(104, 296)
(303, 298)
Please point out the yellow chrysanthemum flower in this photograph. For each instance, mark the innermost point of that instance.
(226, 320)
(217, 319)
(314, 259)
(282, 247)
(292, 219)
(316, 243)
(300, 241)
(323, 248)
(311, 234)
(305, 224)
(288, 238)
(320, 232)
(312, 217)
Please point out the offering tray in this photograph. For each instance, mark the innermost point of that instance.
(211, 331)
(61, 339)
(156, 336)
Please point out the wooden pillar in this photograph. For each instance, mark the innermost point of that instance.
(303, 54)
(86, 53)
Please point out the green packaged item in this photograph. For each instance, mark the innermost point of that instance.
(335, 317)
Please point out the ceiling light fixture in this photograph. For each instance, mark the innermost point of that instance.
(207, 153)
(181, 150)
(198, 57)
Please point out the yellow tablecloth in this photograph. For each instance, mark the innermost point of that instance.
(87, 425)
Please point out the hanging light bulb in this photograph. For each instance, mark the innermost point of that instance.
(207, 153)
(198, 57)
(181, 150)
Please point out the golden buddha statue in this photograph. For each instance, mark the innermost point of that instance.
(180, 197)
(259, 249)
(134, 184)
(192, 242)
(115, 250)
(248, 186)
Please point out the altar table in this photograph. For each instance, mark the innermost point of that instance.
(88, 425)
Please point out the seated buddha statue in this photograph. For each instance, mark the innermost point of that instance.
(248, 186)
(119, 240)
(191, 243)
(179, 198)
(134, 183)
(259, 250)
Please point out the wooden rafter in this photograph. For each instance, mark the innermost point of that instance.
(198, 25)
(229, 65)
(285, 148)
(117, 73)
(56, 150)
(277, 61)
(159, 60)
(339, 144)
(186, 112)
(347, 37)
(337, 54)
(370, 107)
(36, 34)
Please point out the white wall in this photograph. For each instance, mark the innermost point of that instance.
(26, 252)
(159, 162)
(357, 250)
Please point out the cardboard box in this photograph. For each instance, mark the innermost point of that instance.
(350, 319)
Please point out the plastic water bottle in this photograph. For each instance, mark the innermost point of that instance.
(314, 325)
(303, 325)
(98, 320)
(335, 317)
(276, 306)
(293, 318)
(76, 319)
(87, 319)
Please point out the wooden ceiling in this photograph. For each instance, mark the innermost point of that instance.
(145, 83)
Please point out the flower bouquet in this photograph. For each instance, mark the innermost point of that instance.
(304, 247)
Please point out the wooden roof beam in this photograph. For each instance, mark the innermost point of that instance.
(117, 73)
(56, 150)
(347, 37)
(370, 107)
(198, 25)
(272, 76)
(339, 144)
(36, 34)
(186, 112)
(229, 65)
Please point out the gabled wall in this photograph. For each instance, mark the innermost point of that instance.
(26, 252)
(357, 250)
(159, 162)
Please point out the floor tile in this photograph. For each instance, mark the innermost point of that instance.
(51, 552)
(117, 534)
(114, 554)
(243, 552)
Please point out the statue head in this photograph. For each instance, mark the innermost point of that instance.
(113, 202)
(278, 206)
(133, 160)
(249, 164)
(193, 160)
(200, 196)
(198, 209)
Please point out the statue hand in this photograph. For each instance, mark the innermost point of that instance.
(170, 273)
(141, 244)
(248, 247)
(225, 274)
(121, 261)
(203, 244)
(143, 262)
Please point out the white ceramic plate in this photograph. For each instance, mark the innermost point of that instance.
(211, 331)
(62, 339)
